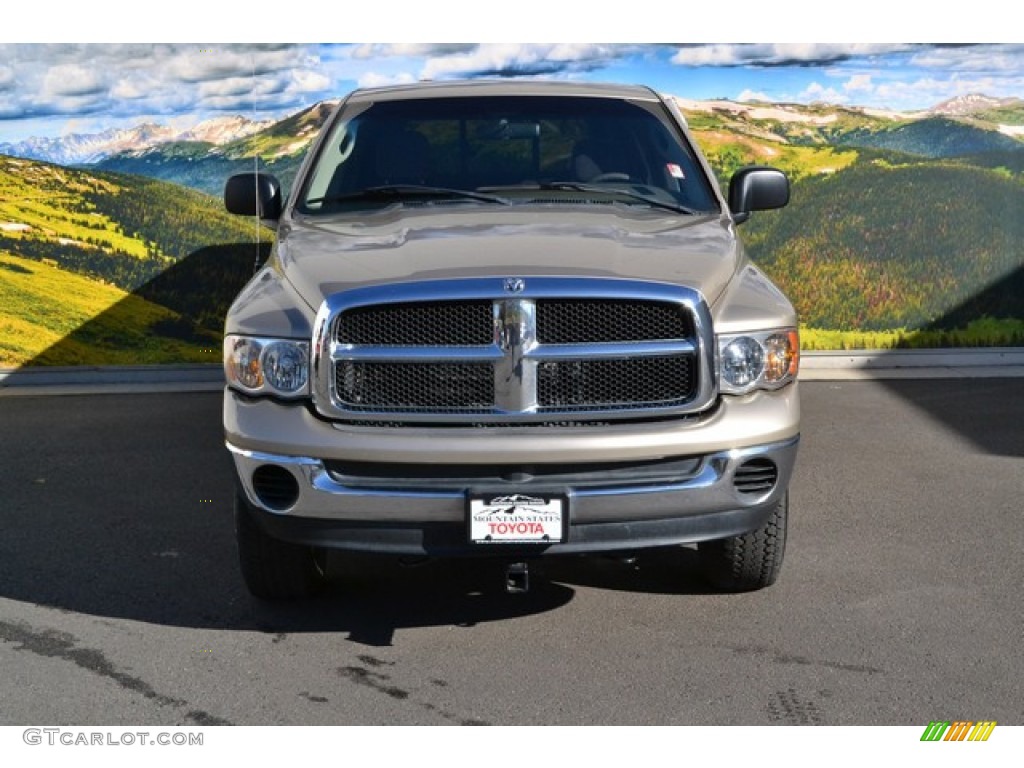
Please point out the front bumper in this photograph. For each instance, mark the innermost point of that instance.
(703, 502)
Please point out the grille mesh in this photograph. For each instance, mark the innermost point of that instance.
(451, 324)
(434, 386)
(607, 383)
(581, 321)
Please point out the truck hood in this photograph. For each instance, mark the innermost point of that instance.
(322, 256)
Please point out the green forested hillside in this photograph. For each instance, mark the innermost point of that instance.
(883, 246)
(932, 137)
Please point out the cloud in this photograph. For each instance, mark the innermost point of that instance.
(202, 64)
(309, 81)
(72, 80)
(121, 80)
(409, 50)
(376, 80)
(516, 60)
(932, 90)
(972, 58)
(908, 93)
(132, 87)
(229, 86)
(779, 54)
(818, 92)
(116, 82)
(442, 62)
(859, 84)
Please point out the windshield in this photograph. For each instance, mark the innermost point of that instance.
(506, 149)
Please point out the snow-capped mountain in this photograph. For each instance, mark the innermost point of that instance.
(84, 149)
(969, 104)
(78, 148)
(222, 130)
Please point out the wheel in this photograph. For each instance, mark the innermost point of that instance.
(748, 562)
(273, 569)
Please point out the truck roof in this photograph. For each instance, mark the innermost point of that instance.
(460, 88)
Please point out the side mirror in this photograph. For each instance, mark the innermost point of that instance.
(253, 194)
(757, 188)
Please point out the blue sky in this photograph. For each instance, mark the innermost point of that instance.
(53, 89)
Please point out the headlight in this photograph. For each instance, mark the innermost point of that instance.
(761, 360)
(260, 366)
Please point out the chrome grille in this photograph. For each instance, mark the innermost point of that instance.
(401, 386)
(653, 381)
(586, 321)
(455, 324)
(525, 351)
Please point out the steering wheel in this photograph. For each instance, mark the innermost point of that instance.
(613, 176)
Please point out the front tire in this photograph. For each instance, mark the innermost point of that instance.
(273, 569)
(751, 561)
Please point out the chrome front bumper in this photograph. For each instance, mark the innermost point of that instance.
(700, 505)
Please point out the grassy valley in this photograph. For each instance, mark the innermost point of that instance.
(55, 317)
(83, 257)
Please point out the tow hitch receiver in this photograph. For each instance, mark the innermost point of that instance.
(517, 578)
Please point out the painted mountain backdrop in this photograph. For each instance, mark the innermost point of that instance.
(905, 229)
(84, 149)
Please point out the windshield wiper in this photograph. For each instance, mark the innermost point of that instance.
(400, 191)
(580, 186)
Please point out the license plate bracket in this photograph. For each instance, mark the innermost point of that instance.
(516, 518)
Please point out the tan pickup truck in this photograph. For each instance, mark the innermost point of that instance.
(509, 320)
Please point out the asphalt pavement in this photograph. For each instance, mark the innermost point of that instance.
(900, 600)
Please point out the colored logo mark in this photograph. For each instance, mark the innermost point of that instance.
(959, 730)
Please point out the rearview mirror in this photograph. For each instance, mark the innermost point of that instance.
(503, 129)
(757, 188)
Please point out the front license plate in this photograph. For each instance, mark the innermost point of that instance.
(516, 519)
